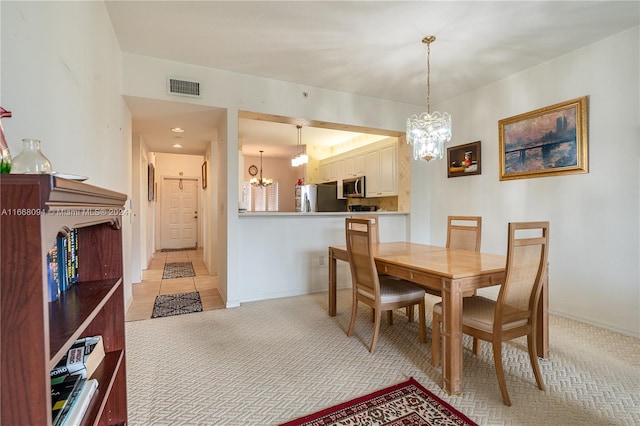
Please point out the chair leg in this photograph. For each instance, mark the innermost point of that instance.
(435, 340)
(497, 359)
(422, 327)
(476, 346)
(531, 344)
(354, 312)
(410, 313)
(390, 317)
(376, 329)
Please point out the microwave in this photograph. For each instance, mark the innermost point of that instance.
(353, 187)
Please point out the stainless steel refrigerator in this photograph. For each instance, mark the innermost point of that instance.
(319, 198)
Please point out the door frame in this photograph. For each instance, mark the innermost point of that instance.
(162, 204)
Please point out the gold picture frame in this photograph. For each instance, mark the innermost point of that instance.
(549, 141)
(464, 160)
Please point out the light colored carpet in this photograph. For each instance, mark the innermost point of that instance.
(271, 361)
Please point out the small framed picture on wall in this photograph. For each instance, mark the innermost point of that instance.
(464, 160)
(151, 172)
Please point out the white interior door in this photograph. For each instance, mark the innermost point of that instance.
(179, 213)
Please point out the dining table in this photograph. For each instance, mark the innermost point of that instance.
(452, 274)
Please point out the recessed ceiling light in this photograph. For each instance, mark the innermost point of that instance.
(176, 145)
(177, 130)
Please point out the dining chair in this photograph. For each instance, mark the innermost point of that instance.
(464, 232)
(375, 229)
(375, 234)
(381, 293)
(514, 313)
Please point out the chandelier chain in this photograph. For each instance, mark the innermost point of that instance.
(428, 77)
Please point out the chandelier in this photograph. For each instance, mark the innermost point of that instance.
(431, 130)
(262, 181)
(301, 157)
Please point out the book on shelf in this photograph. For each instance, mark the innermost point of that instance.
(61, 395)
(69, 244)
(62, 264)
(79, 404)
(83, 358)
(53, 273)
(74, 255)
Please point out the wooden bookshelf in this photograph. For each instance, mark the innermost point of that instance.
(35, 333)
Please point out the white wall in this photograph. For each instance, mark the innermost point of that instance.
(138, 164)
(64, 88)
(594, 217)
(209, 211)
(142, 231)
(288, 255)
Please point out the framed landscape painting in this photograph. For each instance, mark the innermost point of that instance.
(464, 160)
(549, 141)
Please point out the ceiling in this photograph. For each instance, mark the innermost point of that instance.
(369, 48)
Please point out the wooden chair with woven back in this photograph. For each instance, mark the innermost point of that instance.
(375, 228)
(381, 293)
(375, 235)
(464, 232)
(514, 313)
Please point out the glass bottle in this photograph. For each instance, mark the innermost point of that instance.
(31, 160)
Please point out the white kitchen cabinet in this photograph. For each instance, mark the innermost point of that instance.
(377, 162)
(372, 172)
(331, 169)
(389, 169)
(324, 171)
(354, 165)
(381, 170)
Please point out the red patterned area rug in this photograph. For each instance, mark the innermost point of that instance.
(406, 403)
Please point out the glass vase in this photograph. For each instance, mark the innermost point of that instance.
(31, 160)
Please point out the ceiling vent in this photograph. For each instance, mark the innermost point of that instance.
(182, 87)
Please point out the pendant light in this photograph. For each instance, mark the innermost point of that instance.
(431, 130)
(262, 182)
(301, 157)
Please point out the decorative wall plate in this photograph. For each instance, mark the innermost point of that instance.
(253, 170)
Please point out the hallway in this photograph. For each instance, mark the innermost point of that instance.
(152, 284)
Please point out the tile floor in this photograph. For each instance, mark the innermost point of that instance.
(144, 293)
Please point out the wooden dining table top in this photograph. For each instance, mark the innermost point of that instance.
(447, 263)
